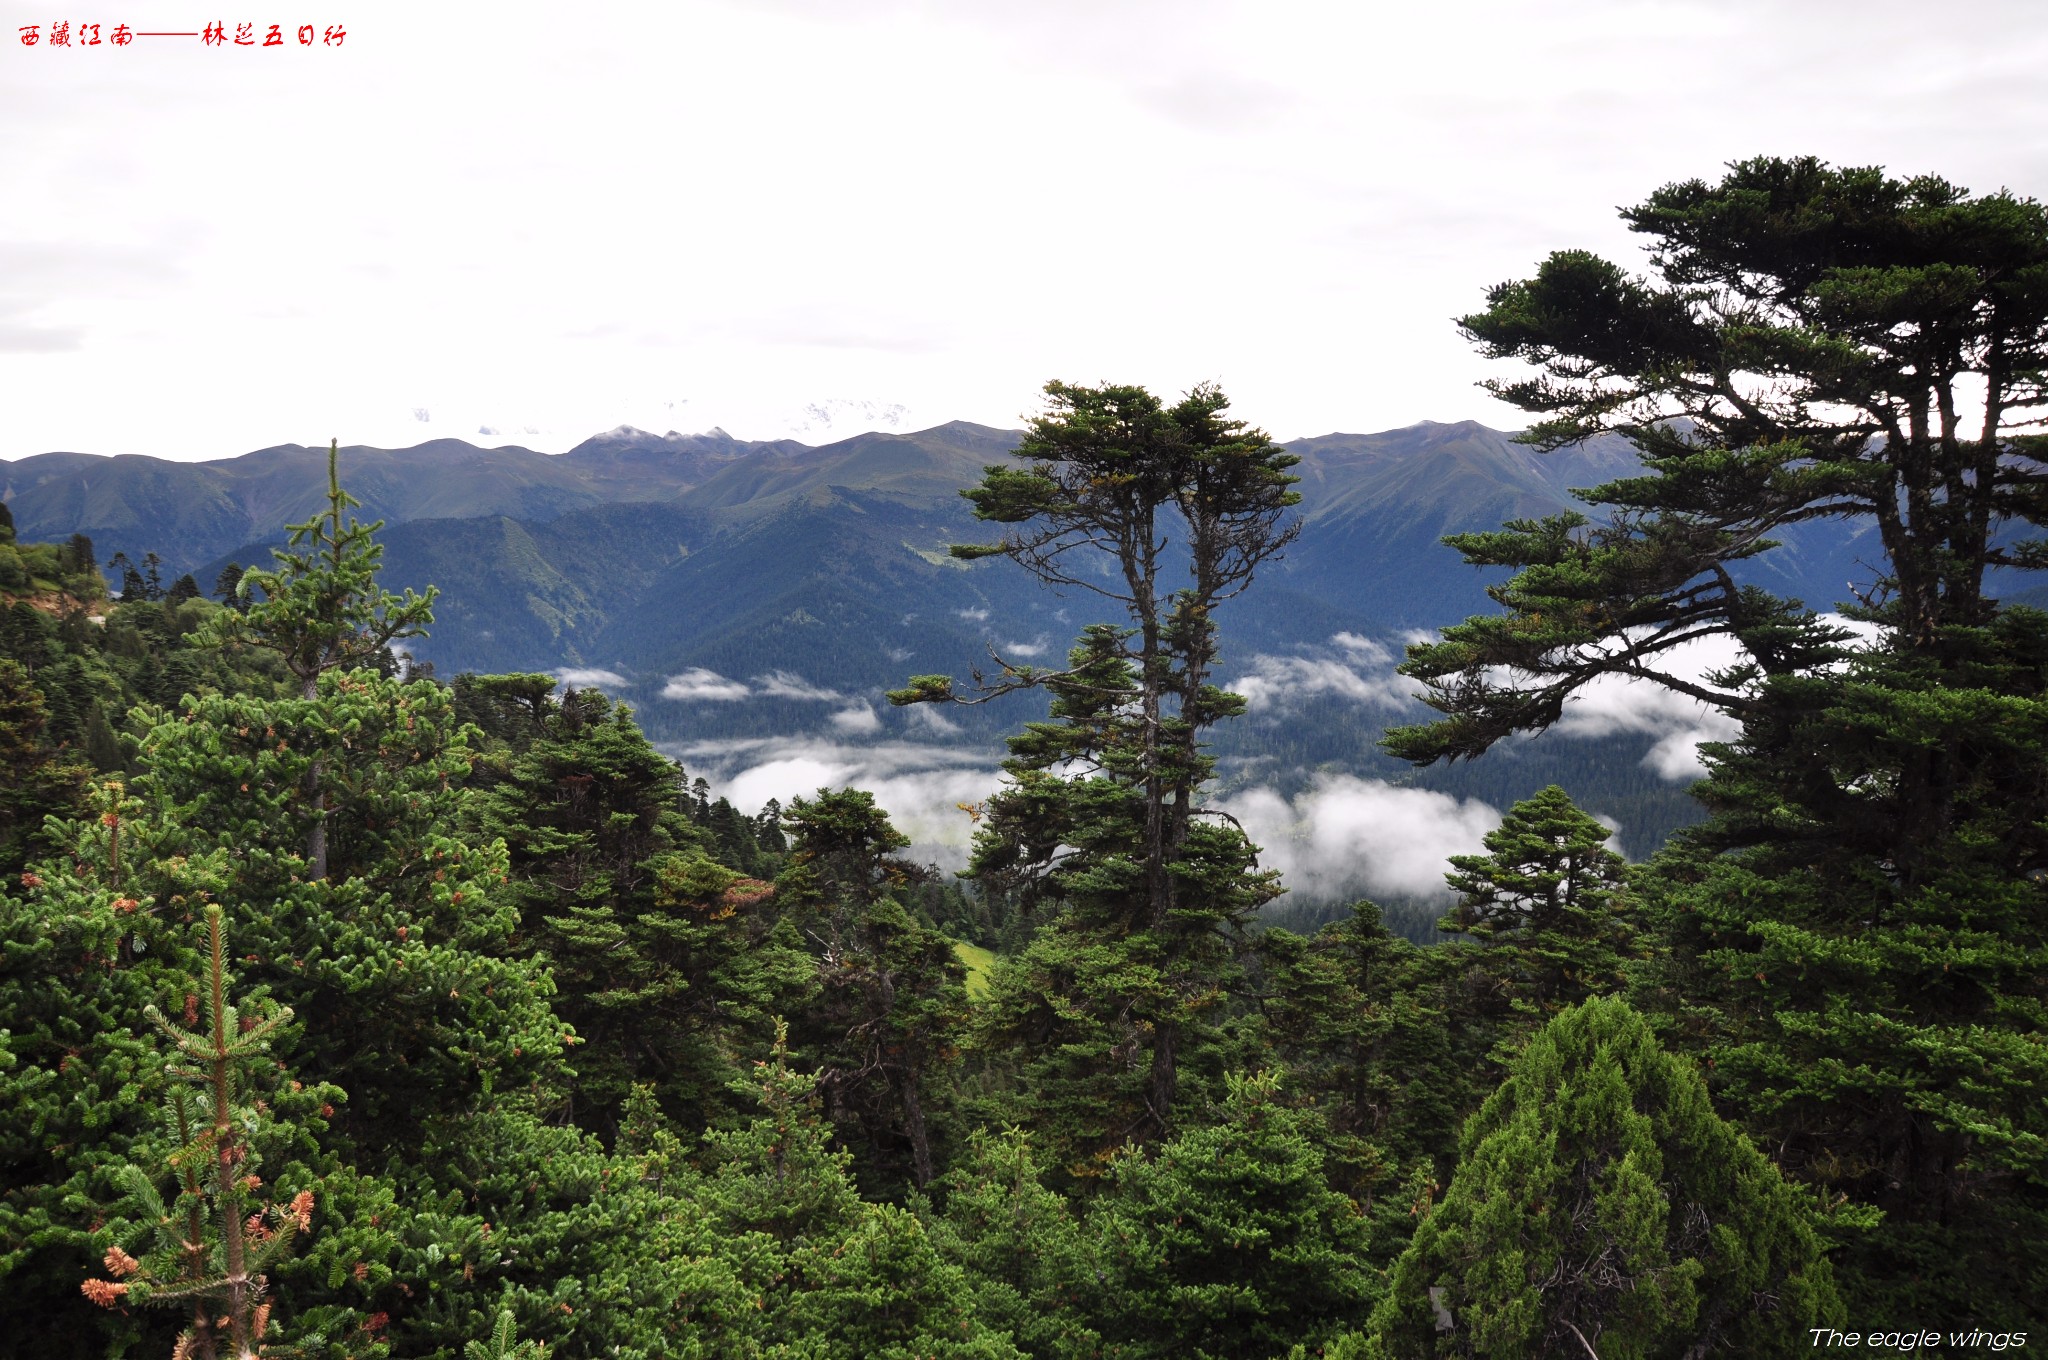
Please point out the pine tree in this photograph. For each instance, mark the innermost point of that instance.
(1858, 940)
(1111, 468)
(1600, 1205)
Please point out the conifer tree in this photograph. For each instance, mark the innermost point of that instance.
(1230, 1242)
(215, 1242)
(1367, 1026)
(668, 964)
(893, 1002)
(322, 610)
(227, 586)
(101, 934)
(1111, 468)
(1601, 1206)
(826, 1263)
(1546, 906)
(1020, 1246)
(34, 781)
(406, 949)
(1858, 937)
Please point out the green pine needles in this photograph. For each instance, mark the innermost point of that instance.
(1601, 1207)
(213, 1244)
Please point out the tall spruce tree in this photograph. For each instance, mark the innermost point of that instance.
(322, 610)
(1156, 490)
(1860, 934)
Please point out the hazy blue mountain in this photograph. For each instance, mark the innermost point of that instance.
(735, 590)
(192, 513)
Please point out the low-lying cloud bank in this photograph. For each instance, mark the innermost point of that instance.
(1344, 837)
(920, 786)
(587, 677)
(1341, 837)
(1362, 670)
(1347, 837)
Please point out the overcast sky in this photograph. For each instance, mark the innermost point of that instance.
(524, 223)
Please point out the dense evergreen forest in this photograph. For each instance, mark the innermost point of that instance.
(352, 1011)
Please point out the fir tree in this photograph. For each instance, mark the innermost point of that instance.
(667, 964)
(826, 1263)
(227, 586)
(1023, 1252)
(1857, 938)
(323, 611)
(1546, 905)
(216, 1240)
(1111, 468)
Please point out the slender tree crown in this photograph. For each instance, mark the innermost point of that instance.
(322, 608)
(1812, 343)
(1101, 811)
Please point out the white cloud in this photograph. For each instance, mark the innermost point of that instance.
(1025, 649)
(797, 329)
(698, 685)
(1350, 837)
(1362, 650)
(920, 786)
(785, 685)
(925, 718)
(858, 720)
(575, 677)
(971, 615)
(1616, 705)
(1363, 673)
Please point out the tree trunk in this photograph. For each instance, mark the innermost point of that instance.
(913, 1124)
(316, 799)
(1162, 1081)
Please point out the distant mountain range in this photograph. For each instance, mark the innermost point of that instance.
(733, 588)
(545, 558)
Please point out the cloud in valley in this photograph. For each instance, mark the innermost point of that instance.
(1614, 705)
(577, 677)
(1350, 667)
(859, 720)
(698, 685)
(784, 685)
(1349, 837)
(919, 785)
